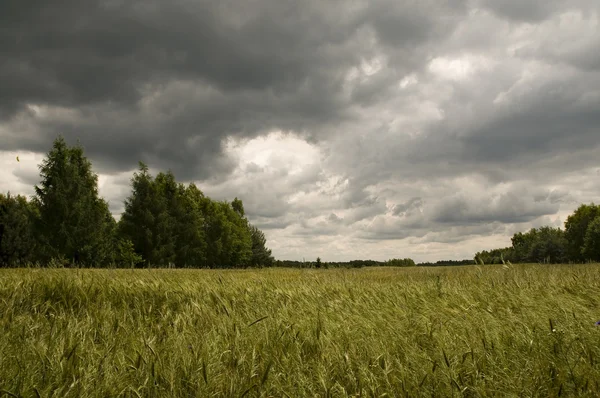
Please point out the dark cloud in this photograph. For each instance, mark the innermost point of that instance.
(170, 80)
(458, 234)
(526, 11)
(505, 208)
(407, 208)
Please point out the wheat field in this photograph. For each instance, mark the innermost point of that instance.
(523, 330)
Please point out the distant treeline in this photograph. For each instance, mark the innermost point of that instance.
(579, 242)
(446, 263)
(165, 223)
(394, 262)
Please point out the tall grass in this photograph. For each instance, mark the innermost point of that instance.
(473, 331)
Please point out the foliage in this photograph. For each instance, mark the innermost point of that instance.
(229, 242)
(396, 262)
(147, 221)
(444, 263)
(170, 223)
(318, 263)
(576, 228)
(495, 256)
(261, 256)
(126, 255)
(74, 223)
(457, 331)
(591, 243)
(191, 246)
(17, 243)
(342, 264)
(544, 245)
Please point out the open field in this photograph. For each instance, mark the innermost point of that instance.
(473, 331)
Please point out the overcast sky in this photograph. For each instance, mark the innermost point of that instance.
(375, 129)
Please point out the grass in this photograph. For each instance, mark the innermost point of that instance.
(459, 331)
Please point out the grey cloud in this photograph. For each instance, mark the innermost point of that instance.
(334, 219)
(461, 233)
(256, 68)
(365, 211)
(253, 168)
(506, 208)
(408, 23)
(407, 208)
(27, 176)
(534, 10)
(554, 196)
(382, 228)
(269, 223)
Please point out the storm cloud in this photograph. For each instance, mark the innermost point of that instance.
(425, 129)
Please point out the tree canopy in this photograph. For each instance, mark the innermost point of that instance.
(73, 223)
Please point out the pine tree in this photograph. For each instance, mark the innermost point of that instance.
(74, 223)
(139, 221)
(191, 245)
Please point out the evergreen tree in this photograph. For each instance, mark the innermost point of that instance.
(191, 246)
(169, 223)
(17, 243)
(74, 223)
(168, 213)
(146, 220)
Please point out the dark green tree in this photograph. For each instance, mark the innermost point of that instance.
(238, 207)
(539, 245)
(137, 221)
(191, 246)
(237, 240)
(74, 223)
(576, 228)
(261, 255)
(147, 221)
(125, 254)
(170, 213)
(17, 243)
(591, 242)
(495, 256)
(550, 246)
(397, 262)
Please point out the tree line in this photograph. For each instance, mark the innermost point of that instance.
(394, 262)
(165, 223)
(578, 242)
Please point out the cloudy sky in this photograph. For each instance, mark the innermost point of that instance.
(428, 129)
